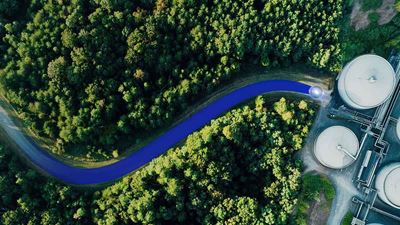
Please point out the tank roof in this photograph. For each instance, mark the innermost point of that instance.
(387, 184)
(335, 147)
(367, 81)
(392, 186)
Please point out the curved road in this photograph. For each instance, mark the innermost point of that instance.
(88, 176)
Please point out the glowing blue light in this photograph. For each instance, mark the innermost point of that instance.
(316, 92)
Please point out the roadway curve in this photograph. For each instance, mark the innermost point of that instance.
(89, 176)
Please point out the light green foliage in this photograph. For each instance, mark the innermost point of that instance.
(233, 171)
(104, 71)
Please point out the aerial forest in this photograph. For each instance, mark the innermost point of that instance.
(239, 169)
(94, 80)
(95, 75)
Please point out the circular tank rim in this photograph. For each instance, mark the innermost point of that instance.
(347, 97)
(397, 170)
(330, 166)
(380, 182)
(393, 83)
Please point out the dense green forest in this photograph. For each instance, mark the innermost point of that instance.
(240, 169)
(90, 73)
(375, 38)
(29, 198)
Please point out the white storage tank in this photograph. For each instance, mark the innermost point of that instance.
(336, 147)
(398, 128)
(366, 82)
(387, 184)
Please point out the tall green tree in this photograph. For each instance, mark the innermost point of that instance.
(105, 71)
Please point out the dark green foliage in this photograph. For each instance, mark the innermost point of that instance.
(348, 3)
(373, 17)
(29, 198)
(9, 8)
(375, 38)
(347, 219)
(370, 4)
(92, 73)
(238, 170)
(395, 43)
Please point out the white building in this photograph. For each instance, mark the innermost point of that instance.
(366, 82)
(388, 184)
(336, 147)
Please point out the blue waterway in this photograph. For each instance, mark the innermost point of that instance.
(82, 176)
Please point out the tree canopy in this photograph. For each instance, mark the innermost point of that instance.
(30, 198)
(91, 73)
(376, 38)
(239, 169)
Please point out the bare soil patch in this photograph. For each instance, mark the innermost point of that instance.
(319, 211)
(387, 11)
(359, 18)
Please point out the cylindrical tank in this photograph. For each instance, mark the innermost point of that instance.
(366, 82)
(388, 184)
(398, 128)
(336, 147)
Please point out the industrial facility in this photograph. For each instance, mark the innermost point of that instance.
(368, 87)
(366, 82)
(388, 184)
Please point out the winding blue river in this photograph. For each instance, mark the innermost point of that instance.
(88, 176)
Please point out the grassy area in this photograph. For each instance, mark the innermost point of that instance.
(370, 4)
(347, 219)
(313, 187)
(314, 183)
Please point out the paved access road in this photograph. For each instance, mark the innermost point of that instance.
(90, 176)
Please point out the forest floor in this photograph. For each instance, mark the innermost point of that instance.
(359, 18)
(245, 77)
